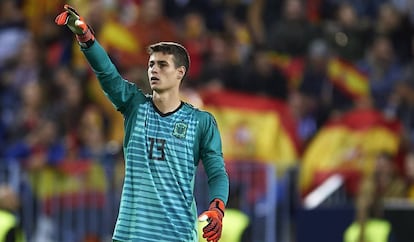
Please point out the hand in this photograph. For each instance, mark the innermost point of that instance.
(75, 23)
(214, 216)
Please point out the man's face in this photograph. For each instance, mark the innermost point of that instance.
(162, 73)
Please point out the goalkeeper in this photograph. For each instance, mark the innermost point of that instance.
(164, 140)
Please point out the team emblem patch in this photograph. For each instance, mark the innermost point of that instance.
(180, 130)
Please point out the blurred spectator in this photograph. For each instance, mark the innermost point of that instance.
(23, 70)
(409, 174)
(195, 37)
(383, 70)
(220, 70)
(262, 78)
(13, 30)
(401, 105)
(27, 66)
(318, 96)
(55, 43)
(211, 11)
(256, 21)
(391, 23)
(3, 137)
(401, 102)
(68, 99)
(238, 32)
(93, 142)
(150, 26)
(406, 7)
(346, 33)
(292, 33)
(366, 9)
(39, 148)
(31, 108)
(10, 229)
(261, 16)
(369, 223)
(35, 10)
(388, 181)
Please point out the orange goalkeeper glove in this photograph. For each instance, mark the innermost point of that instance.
(70, 18)
(214, 217)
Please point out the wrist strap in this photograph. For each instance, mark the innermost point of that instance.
(87, 39)
(217, 204)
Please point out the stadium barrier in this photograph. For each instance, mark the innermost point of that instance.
(77, 205)
(63, 207)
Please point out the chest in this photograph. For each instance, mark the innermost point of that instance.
(165, 138)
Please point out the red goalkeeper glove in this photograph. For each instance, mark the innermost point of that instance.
(77, 25)
(214, 217)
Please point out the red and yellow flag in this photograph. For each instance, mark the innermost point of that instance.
(254, 128)
(343, 74)
(291, 67)
(348, 78)
(349, 146)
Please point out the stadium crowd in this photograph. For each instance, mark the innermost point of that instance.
(55, 121)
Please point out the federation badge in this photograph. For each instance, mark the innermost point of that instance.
(180, 130)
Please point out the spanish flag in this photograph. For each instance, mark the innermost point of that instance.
(347, 77)
(343, 74)
(291, 67)
(348, 145)
(72, 184)
(254, 128)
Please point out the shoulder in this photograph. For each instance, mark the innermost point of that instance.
(148, 97)
(199, 114)
(139, 98)
(143, 97)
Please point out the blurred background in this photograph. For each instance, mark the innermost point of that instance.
(314, 100)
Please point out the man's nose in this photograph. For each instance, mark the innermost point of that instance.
(154, 69)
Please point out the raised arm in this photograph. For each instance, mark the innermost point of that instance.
(117, 89)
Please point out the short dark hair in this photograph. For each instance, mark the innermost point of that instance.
(180, 54)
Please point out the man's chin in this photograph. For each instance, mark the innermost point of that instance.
(157, 89)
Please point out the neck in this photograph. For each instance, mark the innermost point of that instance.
(166, 102)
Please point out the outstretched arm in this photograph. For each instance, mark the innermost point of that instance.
(117, 89)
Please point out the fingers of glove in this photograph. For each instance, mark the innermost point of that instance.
(214, 238)
(62, 18)
(211, 229)
(211, 226)
(71, 10)
(212, 235)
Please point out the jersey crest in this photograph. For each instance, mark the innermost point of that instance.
(180, 130)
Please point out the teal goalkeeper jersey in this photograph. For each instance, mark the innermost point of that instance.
(162, 152)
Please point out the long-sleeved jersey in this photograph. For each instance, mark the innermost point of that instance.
(162, 153)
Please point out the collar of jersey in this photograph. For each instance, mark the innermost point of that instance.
(166, 114)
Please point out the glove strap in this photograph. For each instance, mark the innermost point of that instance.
(217, 205)
(87, 39)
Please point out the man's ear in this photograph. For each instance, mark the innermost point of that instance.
(181, 72)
